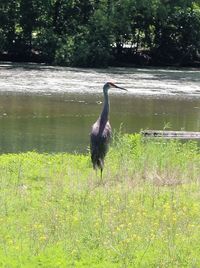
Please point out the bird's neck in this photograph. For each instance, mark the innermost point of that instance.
(106, 107)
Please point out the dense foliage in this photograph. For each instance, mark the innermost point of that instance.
(99, 33)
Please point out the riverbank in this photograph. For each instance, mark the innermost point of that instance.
(55, 212)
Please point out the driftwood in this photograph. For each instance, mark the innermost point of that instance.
(171, 134)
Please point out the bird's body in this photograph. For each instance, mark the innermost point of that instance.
(101, 132)
(99, 142)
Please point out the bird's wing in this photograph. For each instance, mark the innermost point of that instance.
(99, 141)
(107, 131)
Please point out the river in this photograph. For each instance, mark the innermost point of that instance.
(51, 109)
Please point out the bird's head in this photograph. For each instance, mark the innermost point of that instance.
(109, 85)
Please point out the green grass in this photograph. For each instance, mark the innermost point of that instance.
(55, 211)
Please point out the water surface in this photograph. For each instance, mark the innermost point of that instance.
(51, 109)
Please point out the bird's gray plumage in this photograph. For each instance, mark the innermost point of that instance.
(100, 138)
(101, 132)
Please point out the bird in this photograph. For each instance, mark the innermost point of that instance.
(101, 131)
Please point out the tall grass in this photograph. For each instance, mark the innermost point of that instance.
(56, 212)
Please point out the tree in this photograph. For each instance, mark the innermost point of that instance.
(100, 32)
(177, 32)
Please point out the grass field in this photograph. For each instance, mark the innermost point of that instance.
(55, 211)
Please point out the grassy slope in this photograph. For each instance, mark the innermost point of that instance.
(56, 213)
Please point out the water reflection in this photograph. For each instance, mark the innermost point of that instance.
(61, 122)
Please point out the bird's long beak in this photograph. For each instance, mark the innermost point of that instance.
(119, 87)
(122, 88)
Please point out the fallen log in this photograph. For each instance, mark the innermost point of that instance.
(170, 134)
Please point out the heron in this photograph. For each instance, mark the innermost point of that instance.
(101, 131)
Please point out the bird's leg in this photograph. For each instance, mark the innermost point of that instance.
(101, 181)
(96, 172)
(101, 174)
(98, 183)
